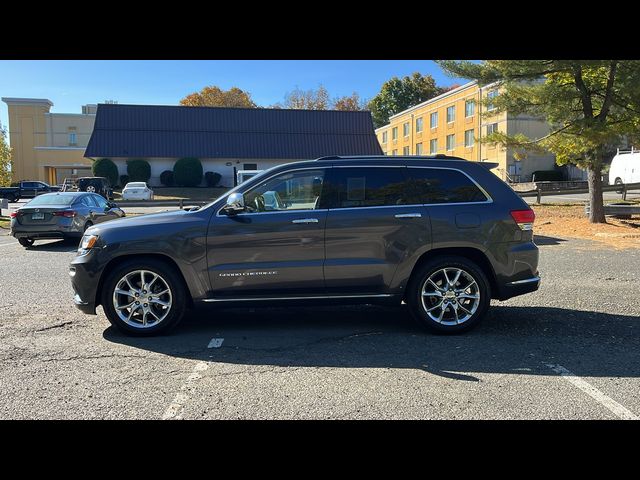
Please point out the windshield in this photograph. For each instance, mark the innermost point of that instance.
(52, 200)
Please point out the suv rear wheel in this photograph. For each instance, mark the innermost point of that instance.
(26, 242)
(144, 297)
(449, 294)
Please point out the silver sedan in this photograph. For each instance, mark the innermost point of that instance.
(61, 215)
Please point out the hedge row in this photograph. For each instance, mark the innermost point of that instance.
(187, 172)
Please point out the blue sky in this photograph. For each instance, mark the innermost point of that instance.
(71, 84)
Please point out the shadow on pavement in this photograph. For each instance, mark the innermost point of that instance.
(511, 340)
(543, 240)
(66, 245)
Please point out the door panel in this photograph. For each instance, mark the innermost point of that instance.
(266, 253)
(276, 246)
(365, 246)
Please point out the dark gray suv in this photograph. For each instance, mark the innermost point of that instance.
(442, 234)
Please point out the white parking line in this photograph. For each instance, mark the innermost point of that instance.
(215, 343)
(8, 244)
(593, 392)
(174, 411)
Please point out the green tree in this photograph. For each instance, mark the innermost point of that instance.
(104, 167)
(215, 97)
(5, 159)
(590, 105)
(398, 94)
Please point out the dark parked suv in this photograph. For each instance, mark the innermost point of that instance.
(442, 234)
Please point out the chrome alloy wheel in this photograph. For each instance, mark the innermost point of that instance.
(142, 299)
(450, 296)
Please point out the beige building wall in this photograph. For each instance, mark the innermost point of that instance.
(47, 145)
(480, 122)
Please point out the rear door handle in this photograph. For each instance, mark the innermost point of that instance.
(408, 215)
(305, 220)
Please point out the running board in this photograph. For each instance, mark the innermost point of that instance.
(315, 297)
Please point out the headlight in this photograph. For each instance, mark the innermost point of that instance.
(87, 243)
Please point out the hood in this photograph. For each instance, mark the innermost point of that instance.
(141, 221)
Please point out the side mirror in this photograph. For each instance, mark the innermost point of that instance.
(235, 204)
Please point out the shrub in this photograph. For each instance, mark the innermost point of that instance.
(138, 170)
(166, 178)
(124, 179)
(187, 172)
(212, 179)
(104, 167)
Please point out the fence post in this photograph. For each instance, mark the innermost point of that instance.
(539, 195)
(624, 192)
(181, 204)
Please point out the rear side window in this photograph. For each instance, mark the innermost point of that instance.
(367, 187)
(431, 185)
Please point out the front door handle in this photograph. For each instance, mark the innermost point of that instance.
(408, 215)
(305, 220)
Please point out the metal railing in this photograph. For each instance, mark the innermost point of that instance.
(539, 193)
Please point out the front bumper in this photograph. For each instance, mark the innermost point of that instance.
(85, 273)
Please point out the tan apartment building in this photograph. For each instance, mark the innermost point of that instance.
(454, 123)
(48, 146)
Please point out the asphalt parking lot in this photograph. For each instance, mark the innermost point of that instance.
(568, 351)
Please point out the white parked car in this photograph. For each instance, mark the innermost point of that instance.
(137, 191)
(625, 167)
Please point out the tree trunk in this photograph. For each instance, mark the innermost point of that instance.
(596, 212)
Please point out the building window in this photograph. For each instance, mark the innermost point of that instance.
(491, 95)
(405, 129)
(394, 152)
(384, 137)
(468, 138)
(418, 125)
(451, 113)
(73, 137)
(451, 141)
(418, 149)
(405, 151)
(469, 108)
(433, 120)
(491, 128)
(433, 146)
(394, 133)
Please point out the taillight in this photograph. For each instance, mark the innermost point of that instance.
(13, 214)
(65, 213)
(524, 218)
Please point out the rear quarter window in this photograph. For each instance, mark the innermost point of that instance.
(431, 185)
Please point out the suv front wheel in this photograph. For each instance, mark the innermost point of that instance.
(144, 297)
(449, 294)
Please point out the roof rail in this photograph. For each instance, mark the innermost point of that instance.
(618, 151)
(329, 157)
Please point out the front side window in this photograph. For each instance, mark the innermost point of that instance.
(102, 203)
(367, 187)
(451, 113)
(298, 190)
(431, 185)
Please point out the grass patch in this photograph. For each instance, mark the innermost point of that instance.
(199, 194)
(5, 222)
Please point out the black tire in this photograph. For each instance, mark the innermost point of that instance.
(618, 182)
(12, 198)
(26, 242)
(434, 267)
(170, 276)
